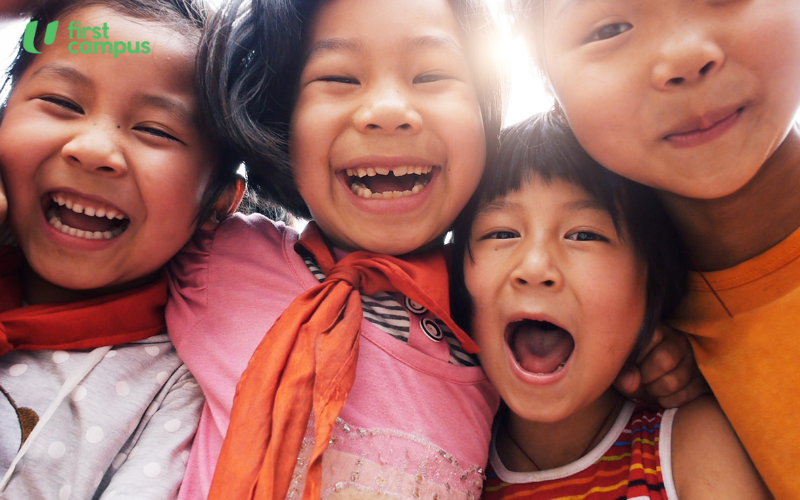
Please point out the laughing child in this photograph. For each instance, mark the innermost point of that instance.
(107, 169)
(698, 100)
(567, 269)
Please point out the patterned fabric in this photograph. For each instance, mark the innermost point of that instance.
(631, 462)
(384, 310)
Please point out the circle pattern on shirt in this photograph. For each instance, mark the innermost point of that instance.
(414, 307)
(17, 370)
(94, 434)
(64, 493)
(152, 350)
(161, 377)
(79, 393)
(56, 449)
(123, 389)
(60, 357)
(173, 425)
(152, 470)
(431, 329)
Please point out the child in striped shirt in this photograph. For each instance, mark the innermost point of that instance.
(567, 269)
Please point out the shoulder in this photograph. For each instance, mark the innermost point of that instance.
(708, 461)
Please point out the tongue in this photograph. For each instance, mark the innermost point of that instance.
(541, 350)
(383, 183)
(87, 222)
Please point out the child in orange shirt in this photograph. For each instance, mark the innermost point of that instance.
(697, 100)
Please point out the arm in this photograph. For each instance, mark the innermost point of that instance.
(708, 461)
(155, 464)
(666, 372)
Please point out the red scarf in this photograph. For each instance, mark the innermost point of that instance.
(307, 361)
(108, 320)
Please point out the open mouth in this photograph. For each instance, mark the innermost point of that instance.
(385, 183)
(77, 216)
(540, 347)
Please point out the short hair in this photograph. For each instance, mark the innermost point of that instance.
(187, 17)
(254, 55)
(542, 146)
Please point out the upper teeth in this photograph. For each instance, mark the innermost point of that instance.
(82, 206)
(397, 171)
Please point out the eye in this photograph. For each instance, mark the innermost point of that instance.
(339, 79)
(430, 78)
(62, 103)
(500, 235)
(585, 236)
(158, 133)
(608, 31)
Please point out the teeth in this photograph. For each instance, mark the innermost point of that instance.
(79, 233)
(102, 211)
(400, 171)
(382, 171)
(371, 172)
(361, 172)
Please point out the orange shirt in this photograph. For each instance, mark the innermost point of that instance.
(751, 357)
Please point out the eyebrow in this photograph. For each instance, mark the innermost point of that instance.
(65, 72)
(436, 41)
(586, 204)
(499, 205)
(177, 108)
(335, 45)
(569, 5)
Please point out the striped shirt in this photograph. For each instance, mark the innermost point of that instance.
(392, 312)
(631, 462)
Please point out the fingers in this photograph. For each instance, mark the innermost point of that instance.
(666, 356)
(696, 388)
(675, 380)
(629, 383)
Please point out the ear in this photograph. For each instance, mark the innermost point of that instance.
(226, 204)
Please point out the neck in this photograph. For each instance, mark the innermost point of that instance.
(727, 231)
(36, 290)
(555, 444)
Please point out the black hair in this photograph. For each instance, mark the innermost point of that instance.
(187, 17)
(254, 55)
(542, 146)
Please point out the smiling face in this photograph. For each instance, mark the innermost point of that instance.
(686, 96)
(102, 158)
(558, 298)
(387, 143)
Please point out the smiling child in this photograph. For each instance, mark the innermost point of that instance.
(698, 100)
(568, 268)
(108, 169)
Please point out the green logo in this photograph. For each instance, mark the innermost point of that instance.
(30, 34)
(99, 43)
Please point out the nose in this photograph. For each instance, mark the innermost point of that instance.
(688, 56)
(537, 268)
(387, 109)
(96, 148)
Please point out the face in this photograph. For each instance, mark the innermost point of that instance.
(102, 159)
(559, 298)
(686, 96)
(387, 139)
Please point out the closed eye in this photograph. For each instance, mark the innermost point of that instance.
(339, 79)
(62, 103)
(158, 133)
(608, 31)
(585, 236)
(431, 77)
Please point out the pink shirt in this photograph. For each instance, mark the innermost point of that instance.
(413, 423)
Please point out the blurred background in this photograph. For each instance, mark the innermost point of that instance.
(527, 93)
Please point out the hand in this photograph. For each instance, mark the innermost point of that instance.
(666, 372)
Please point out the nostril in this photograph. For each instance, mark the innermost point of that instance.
(676, 81)
(105, 169)
(404, 126)
(521, 281)
(705, 69)
(549, 283)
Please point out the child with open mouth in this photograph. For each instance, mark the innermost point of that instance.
(567, 269)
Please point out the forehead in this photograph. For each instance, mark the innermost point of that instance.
(370, 22)
(539, 196)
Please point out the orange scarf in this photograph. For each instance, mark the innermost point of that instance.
(307, 361)
(130, 315)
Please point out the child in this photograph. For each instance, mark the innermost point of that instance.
(108, 169)
(697, 99)
(568, 269)
(380, 112)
